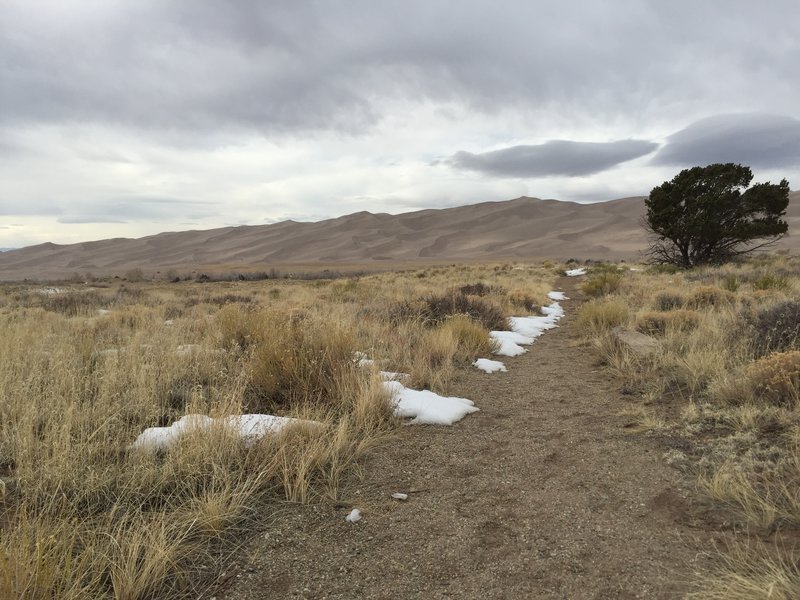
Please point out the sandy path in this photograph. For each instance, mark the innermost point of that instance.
(542, 494)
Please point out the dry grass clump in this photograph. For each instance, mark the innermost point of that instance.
(597, 316)
(295, 363)
(710, 296)
(434, 309)
(602, 284)
(658, 323)
(665, 301)
(471, 338)
(770, 281)
(776, 328)
(752, 571)
(776, 378)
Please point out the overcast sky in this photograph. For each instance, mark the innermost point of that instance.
(127, 118)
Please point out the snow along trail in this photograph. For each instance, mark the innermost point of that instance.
(543, 494)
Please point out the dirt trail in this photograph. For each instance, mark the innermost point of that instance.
(542, 494)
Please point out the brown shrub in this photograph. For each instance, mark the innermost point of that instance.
(657, 323)
(776, 328)
(434, 310)
(710, 296)
(601, 315)
(668, 301)
(776, 378)
(602, 284)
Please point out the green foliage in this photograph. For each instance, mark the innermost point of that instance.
(708, 215)
(770, 281)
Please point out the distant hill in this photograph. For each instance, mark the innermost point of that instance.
(520, 229)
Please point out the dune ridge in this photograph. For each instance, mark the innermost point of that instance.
(523, 228)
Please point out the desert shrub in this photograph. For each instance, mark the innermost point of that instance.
(776, 328)
(776, 378)
(710, 296)
(237, 326)
(523, 300)
(663, 269)
(657, 323)
(129, 295)
(435, 309)
(299, 364)
(472, 338)
(488, 314)
(731, 283)
(230, 299)
(602, 284)
(601, 315)
(770, 281)
(73, 304)
(480, 289)
(668, 301)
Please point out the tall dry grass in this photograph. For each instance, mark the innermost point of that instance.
(84, 370)
(726, 378)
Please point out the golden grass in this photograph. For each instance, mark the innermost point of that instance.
(85, 369)
(737, 402)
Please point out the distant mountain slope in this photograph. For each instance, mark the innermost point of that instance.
(525, 228)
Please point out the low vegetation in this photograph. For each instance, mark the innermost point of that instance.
(85, 368)
(722, 389)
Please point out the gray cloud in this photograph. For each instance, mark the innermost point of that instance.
(556, 157)
(755, 139)
(291, 66)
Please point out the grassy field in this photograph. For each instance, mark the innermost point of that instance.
(721, 387)
(86, 367)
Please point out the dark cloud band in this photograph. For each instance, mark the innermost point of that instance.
(553, 158)
(754, 139)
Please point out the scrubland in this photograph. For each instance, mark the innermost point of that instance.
(85, 368)
(721, 388)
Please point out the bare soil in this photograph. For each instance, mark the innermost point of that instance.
(542, 494)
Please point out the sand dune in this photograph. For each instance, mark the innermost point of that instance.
(524, 228)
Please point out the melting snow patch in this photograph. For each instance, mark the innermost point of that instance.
(557, 296)
(426, 408)
(489, 366)
(354, 516)
(510, 342)
(249, 428)
(362, 360)
(390, 376)
(576, 272)
(526, 329)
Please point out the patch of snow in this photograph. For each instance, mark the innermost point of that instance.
(489, 366)
(557, 296)
(390, 376)
(249, 427)
(362, 360)
(187, 349)
(426, 408)
(51, 291)
(576, 272)
(354, 516)
(526, 329)
(510, 342)
(400, 496)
